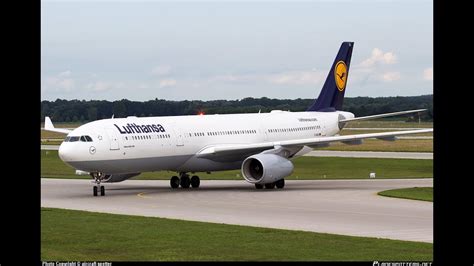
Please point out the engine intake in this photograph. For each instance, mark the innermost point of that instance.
(266, 168)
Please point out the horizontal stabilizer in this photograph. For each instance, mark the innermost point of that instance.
(48, 126)
(381, 115)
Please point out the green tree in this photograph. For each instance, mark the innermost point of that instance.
(92, 113)
(119, 109)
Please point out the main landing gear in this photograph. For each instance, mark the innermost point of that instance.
(279, 184)
(184, 181)
(98, 177)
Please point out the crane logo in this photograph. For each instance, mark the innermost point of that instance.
(340, 74)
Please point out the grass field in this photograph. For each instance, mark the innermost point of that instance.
(305, 168)
(416, 193)
(50, 142)
(68, 235)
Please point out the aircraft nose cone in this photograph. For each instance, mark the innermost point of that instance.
(64, 152)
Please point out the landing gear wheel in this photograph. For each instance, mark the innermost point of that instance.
(280, 183)
(185, 181)
(174, 182)
(270, 185)
(98, 177)
(195, 181)
(258, 186)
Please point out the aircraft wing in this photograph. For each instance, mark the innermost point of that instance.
(235, 151)
(48, 126)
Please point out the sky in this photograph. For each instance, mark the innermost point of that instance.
(176, 50)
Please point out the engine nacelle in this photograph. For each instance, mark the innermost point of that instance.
(118, 177)
(266, 168)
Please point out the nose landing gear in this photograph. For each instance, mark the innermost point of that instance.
(98, 177)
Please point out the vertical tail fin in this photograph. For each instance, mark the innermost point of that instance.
(332, 94)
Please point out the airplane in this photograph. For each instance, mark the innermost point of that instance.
(261, 145)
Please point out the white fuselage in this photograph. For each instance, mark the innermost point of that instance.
(132, 145)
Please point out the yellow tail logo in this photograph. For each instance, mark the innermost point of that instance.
(340, 74)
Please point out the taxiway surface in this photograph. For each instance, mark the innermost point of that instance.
(347, 207)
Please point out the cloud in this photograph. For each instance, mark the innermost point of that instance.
(391, 76)
(428, 74)
(231, 78)
(99, 86)
(143, 86)
(161, 70)
(297, 78)
(292, 77)
(60, 82)
(167, 83)
(66, 73)
(379, 57)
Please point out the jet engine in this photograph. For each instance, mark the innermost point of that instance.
(118, 177)
(266, 168)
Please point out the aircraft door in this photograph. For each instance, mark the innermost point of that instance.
(114, 143)
(264, 132)
(179, 137)
(321, 129)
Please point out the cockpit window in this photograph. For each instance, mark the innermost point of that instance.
(77, 138)
(73, 139)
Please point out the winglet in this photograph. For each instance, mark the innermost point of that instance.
(48, 126)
